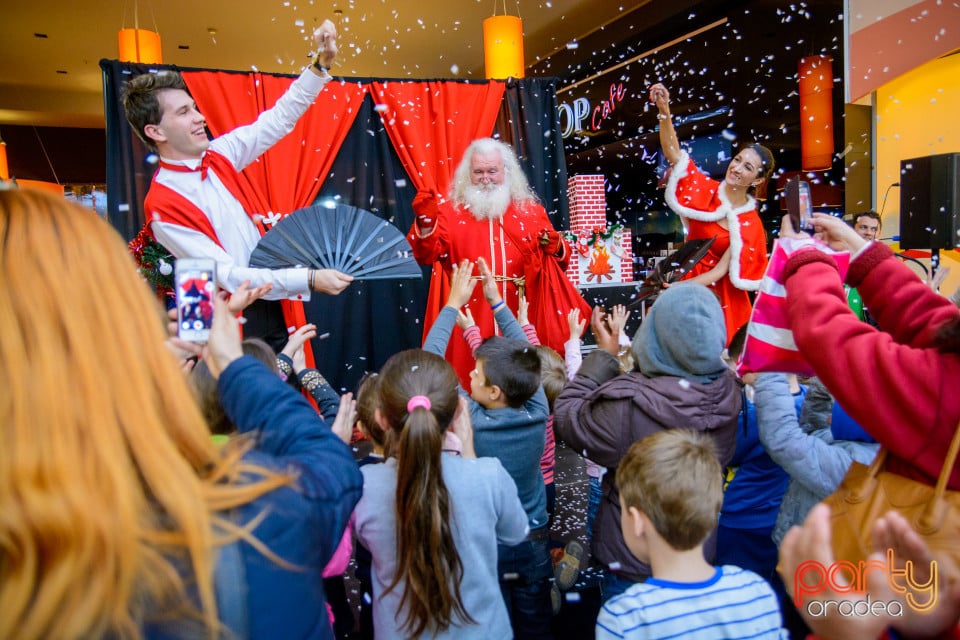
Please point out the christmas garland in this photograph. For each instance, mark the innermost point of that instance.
(589, 237)
(154, 262)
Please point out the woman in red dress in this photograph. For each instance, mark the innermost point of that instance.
(737, 259)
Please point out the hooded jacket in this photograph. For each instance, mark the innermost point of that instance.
(600, 414)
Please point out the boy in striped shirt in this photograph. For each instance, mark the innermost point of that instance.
(670, 495)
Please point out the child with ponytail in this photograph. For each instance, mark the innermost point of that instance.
(433, 520)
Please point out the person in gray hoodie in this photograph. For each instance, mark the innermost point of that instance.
(681, 383)
(815, 456)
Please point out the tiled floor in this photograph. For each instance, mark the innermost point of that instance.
(581, 604)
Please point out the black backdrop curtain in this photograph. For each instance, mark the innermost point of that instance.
(528, 122)
(370, 321)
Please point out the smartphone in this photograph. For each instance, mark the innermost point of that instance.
(196, 285)
(797, 193)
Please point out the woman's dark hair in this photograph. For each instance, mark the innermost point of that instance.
(427, 558)
(767, 164)
(947, 339)
(368, 401)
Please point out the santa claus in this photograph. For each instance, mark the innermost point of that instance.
(491, 212)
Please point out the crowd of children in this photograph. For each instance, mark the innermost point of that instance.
(123, 517)
(452, 533)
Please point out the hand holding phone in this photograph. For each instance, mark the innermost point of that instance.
(196, 288)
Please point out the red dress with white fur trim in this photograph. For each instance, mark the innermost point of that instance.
(698, 198)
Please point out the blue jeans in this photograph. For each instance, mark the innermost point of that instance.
(751, 549)
(525, 571)
(593, 505)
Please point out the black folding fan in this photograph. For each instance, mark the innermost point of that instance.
(344, 238)
(671, 269)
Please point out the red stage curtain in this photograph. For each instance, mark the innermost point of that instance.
(430, 125)
(288, 176)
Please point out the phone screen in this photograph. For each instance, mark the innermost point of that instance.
(196, 287)
(806, 211)
(797, 193)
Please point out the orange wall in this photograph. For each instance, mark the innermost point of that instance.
(916, 115)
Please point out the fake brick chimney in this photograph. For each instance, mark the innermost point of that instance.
(588, 210)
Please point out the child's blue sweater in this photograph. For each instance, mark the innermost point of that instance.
(514, 436)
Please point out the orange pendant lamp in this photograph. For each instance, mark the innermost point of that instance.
(139, 45)
(4, 167)
(503, 45)
(815, 74)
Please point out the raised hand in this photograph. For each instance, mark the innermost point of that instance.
(244, 296)
(811, 542)
(325, 40)
(893, 531)
(490, 290)
(618, 318)
(426, 205)
(836, 233)
(465, 318)
(575, 323)
(223, 346)
(346, 417)
(660, 96)
(295, 342)
(602, 333)
(462, 285)
(523, 308)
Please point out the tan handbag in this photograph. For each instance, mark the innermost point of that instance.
(867, 493)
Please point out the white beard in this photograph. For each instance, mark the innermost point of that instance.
(488, 202)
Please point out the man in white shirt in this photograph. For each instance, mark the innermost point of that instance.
(197, 206)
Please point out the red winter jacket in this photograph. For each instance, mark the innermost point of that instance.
(893, 382)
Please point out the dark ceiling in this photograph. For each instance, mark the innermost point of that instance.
(737, 77)
(742, 71)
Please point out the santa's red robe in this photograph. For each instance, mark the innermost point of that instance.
(510, 245)
(699, 199)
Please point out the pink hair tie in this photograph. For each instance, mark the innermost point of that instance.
(418, 401)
